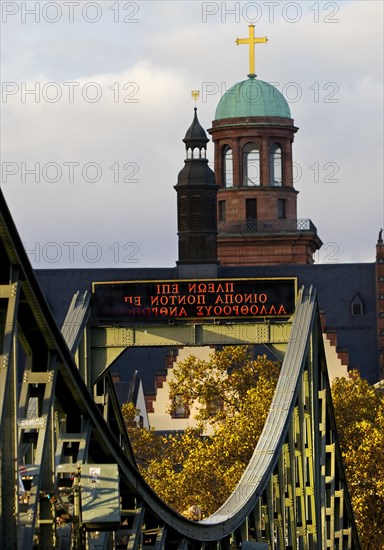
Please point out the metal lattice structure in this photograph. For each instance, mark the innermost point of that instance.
(59, 416)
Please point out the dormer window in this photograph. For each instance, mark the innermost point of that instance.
(357, 305)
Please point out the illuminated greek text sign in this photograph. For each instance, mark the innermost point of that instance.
(194, 299)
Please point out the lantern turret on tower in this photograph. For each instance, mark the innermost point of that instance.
(253, 134)
(196, 202)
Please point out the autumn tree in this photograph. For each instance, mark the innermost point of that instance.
(234, 391)
(359, 410)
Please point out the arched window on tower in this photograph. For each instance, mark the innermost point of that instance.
(227, 166)
(196, 153)
(276, 165)
(251, 165)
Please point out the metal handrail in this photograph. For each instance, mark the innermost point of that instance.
(266, 226)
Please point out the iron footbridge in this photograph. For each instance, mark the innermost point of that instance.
(68, 475)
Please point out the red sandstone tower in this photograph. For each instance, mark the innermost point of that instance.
(253, 134)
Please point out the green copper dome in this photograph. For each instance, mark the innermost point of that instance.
(252, 97)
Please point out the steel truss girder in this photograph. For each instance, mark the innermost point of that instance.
(292, 492)
(108, 342)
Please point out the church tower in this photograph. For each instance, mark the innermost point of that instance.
(253, 134)
(196, 202)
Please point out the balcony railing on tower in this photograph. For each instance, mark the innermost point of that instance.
(266, 226)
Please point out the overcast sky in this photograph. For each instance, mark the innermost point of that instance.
(96, 98)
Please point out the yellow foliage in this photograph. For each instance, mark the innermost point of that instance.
(359, 411)
(234, 391)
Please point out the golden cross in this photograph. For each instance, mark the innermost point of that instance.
(252, 40)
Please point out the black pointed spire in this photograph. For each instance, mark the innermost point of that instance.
(195, 136)
(196, 139)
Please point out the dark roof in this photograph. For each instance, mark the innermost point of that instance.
(127, 391)
(146, 361)
(336, 285)
(122, 391)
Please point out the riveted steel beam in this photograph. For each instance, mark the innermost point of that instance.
(107, 343)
